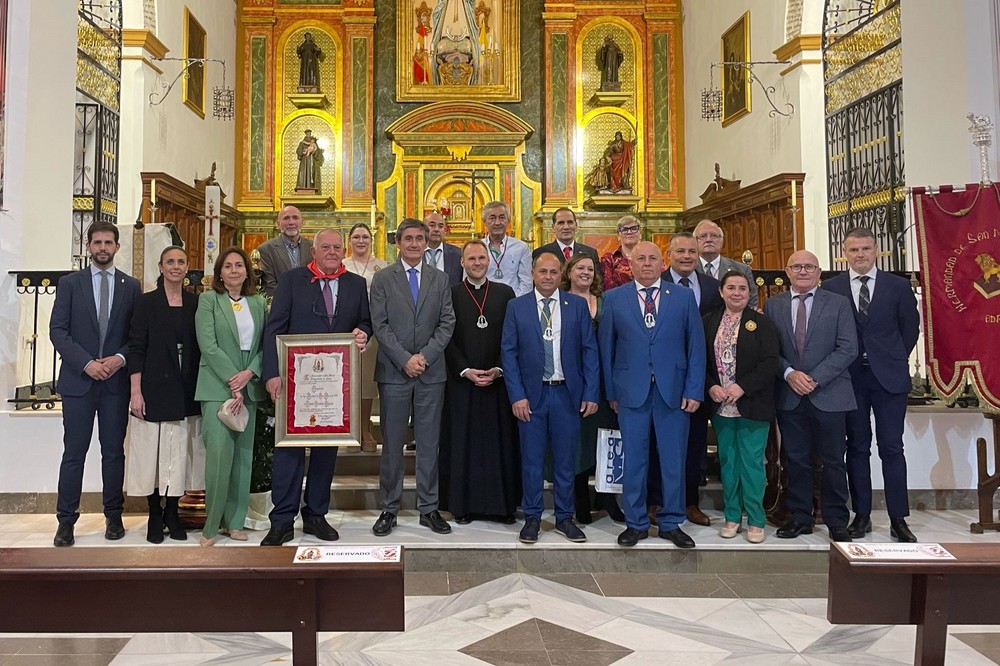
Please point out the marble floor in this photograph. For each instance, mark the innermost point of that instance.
(561, 618)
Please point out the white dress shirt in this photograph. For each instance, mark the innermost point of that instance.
(406, 271)
(856, 285)
(641, 291)
(693, 279)
(716, 264)
(435, 256)
(95, 277)
(555, 323)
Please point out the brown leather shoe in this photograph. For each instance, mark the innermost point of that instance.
(697, 516)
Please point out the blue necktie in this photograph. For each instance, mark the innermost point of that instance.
(414, 287)
(650, 300)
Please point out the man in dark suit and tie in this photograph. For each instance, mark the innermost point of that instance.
(550, 365)
(442, 256)
(564, 227)
(653, 361)
(888, 325)
(683, 262)
(819, 342)
(89, 329)
(710, 239)
(413, 320)
(289, 250)
(321, 297)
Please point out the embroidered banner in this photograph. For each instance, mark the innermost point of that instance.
(958, 233)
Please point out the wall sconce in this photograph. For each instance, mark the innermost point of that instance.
(223, 98)
(711, 97)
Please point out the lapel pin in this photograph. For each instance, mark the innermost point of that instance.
(750, 325)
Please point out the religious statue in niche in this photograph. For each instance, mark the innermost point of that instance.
(454, 49)
(613, 172)
(310, 160)
(422, 46)
(609, 60)
(309, 56)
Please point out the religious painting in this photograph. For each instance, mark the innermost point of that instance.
(321, 401)
(458, 50)
(736, 77)
(195, 46)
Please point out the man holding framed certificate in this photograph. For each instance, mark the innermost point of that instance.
(321, 298)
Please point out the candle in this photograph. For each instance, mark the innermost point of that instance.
(793, 194)
(152, 192)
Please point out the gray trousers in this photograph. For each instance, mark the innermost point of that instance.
(395, 401)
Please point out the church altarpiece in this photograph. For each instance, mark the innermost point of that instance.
(610, 114)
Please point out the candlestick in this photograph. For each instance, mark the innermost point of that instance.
(793, 194)
(152, 192)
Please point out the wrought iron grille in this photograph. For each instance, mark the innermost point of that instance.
(862, 69)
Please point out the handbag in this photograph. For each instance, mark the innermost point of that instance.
(235, 422)
(610, 461)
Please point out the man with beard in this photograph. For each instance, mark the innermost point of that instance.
(479, 457)
(89, 329)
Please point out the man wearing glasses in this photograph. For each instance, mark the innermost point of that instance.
(819, 342)
(711, 239)
(615, 265)
(321, 297)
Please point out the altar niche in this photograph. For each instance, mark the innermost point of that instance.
(458, 49)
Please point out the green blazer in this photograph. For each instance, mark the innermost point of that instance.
(219, 340)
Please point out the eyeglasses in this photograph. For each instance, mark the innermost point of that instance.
(803, 268)
(707, 236)
(628, 230)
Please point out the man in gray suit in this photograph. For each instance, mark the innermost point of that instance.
(413, 320)
(289, 250)
(819, 341)
(710, 239)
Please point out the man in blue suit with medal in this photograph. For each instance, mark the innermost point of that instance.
(550, 365)
(653, 360)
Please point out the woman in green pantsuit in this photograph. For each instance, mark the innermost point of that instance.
(742, 364)
(230, 327)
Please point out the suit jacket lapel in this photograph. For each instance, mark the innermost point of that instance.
(819, 302)
(660, 309)
(88, 292)
(229, 316)
(403, 284)
(785, 312)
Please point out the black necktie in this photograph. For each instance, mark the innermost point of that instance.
(864, 296)
(686, 282)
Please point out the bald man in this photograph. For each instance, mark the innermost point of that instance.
(287, 251)
(819, 342)
(442, 256)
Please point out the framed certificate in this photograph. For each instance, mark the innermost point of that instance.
(320, 404)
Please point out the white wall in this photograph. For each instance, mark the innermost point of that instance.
(756, 146)
(170, 137)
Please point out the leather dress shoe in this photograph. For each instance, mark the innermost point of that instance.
(860, 526)
(568, 529)
(434, 521)
(631, 536)
(840, 534)
(278, 534)
(319, 528)
(384, 525)
(64, 535)
(697, 516)
(113, 528)
(792, 529)
(677, 537)
(900, 531)
(529, 533)
(464, 519)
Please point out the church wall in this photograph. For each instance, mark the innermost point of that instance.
(756, 146)
(948, 71)
(170, 137)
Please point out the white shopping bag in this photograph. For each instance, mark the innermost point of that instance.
(610, 461)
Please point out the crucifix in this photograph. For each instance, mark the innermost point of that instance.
(211, 217)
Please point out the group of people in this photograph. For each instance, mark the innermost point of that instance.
(531, 353)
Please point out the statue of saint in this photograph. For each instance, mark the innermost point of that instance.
(310, 160)
(609, 59)
(422, 46)
(599, 180)
(619, 153)
(309, 57)
(454, 43)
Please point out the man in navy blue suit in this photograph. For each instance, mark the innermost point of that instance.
(885, 311)
(653, 360)
(442, 256)
(684, 258)
(321, 297)
(89, 329)
(549, 359)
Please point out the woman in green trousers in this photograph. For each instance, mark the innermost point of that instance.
(743, 364)
(230, 328)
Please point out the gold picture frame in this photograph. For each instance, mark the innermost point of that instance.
(310, 410)
(736, 93)
(440, 46)
(195, 46)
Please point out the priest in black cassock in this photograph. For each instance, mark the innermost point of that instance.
(480, 462)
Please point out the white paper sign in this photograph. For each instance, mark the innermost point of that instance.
(319, 390)
(894, 551)
(347, 554)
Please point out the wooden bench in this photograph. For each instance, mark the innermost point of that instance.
(225, 589)
(929, 594)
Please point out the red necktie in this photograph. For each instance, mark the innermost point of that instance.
(567, 252)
